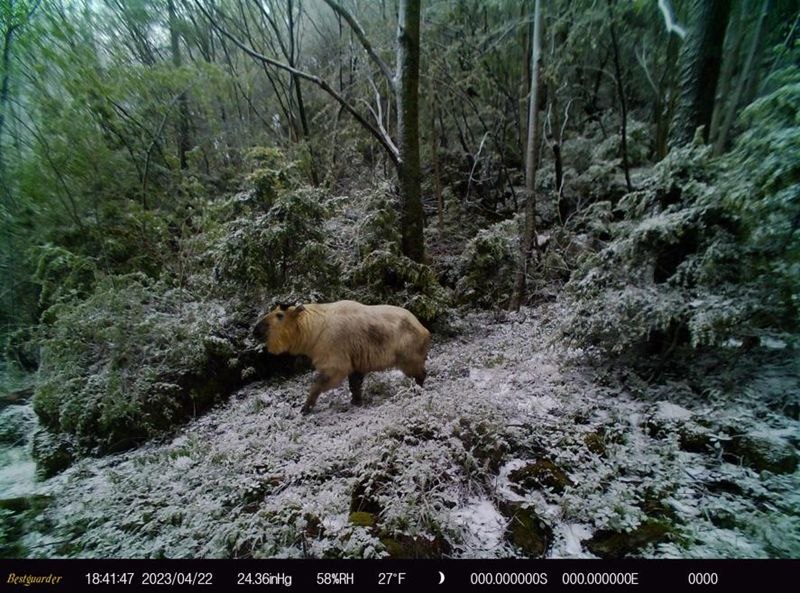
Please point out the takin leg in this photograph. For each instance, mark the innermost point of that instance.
(322, 382)
(356, 379)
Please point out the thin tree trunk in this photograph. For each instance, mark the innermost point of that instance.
(700, 66)
(527, 240)
(408, 50)
(183, 103)
(666, 103)
(437, 180)
(744, 77)
(4, 92)
(733, 42)
(623, 104)
(301, 107)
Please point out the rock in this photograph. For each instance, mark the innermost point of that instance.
(415, 547)
(762, 452)
(665, 417)
(539, 474)
(526, 530)
(52, 453)
(619, 544)
(19, 504)
(694, 438)
(16, 397)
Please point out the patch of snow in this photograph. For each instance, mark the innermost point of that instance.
(568, 540)
(670, 411)
(483, 529)
(773, 343)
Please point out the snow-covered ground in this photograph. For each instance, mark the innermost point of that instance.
(515, 444)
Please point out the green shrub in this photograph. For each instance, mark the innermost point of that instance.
(62, 275)
(386, 277)
(130, 362)
(283, 249)
(485, 270)
(271, 173)
(706, 250)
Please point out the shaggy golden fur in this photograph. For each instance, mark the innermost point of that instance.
(347, 339)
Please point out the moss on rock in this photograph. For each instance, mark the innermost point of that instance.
(538, 474)
(526, 530)
(619, 544)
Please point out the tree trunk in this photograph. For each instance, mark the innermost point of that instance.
(408, 169)
(700, 65)
(733, 42)
(183, 103)
(531, 162)
(744, 77)
(623, 104)
(301, 106)
(4, 91)
(437, 180)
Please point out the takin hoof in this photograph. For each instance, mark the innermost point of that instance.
(305, 410)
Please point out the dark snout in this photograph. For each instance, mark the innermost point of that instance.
(260, 331)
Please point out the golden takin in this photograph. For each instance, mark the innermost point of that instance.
(347, 339)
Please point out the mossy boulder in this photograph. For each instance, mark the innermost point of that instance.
(539, 474)
(53, 453)
(409, 547)
(526, 530)
(595, 442)
(619, 544)
(362, 519)
(762, 452)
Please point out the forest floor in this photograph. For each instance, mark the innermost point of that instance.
(517, 445)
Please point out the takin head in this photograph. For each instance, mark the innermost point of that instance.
(279, 328)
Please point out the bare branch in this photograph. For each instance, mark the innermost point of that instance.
(362, 37)
(672, 25)
(382, 138)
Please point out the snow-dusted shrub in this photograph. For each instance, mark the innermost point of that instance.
(664, 276)
(282, 249)
(378, 225)
(387, 277)
(271, 173)
(485, 270)
(706, 250)
(762, 186)
(130, 362)
(62, 275)
(638, 144)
